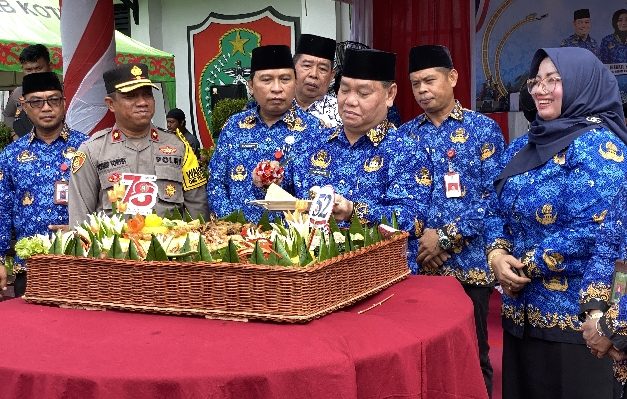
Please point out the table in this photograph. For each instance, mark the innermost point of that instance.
(420, 343)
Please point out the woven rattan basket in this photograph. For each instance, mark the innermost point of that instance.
(218, 290)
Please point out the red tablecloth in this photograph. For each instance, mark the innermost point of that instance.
(418, 344)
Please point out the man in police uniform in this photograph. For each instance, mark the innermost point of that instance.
(159, 170)
(34, 58)
(372, 168)
(581, 37)
(267, 132)
(35, 170)
(463, 148)
(314, 70)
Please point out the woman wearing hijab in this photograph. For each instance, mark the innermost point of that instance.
(556, 186)
(613, 47)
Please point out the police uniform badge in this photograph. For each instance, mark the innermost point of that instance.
(320, 161)
(78, 160)
(167, 150)
(170, 190)
(373, 164)
(239, 173)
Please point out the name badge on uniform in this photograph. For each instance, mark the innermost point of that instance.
(452, 185)
(249, 146)
(61, 192)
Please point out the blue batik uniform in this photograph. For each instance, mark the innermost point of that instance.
(576, 41)
(613, 50)
(244, 141)
(475, 143)
(611, 245)
(379, 173)
(29, 170)
(549, 218)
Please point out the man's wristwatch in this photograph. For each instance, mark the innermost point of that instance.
(444, 241)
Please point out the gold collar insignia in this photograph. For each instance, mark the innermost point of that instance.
(248, 123)
(378, 133)
(293, 121)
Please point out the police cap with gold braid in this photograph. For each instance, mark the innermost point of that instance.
(127, 77)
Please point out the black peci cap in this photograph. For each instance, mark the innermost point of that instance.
(583, 13)
(40, 81)
(176, 113)
(369, 65)
(127, 77)
(271, 57)
(429, 56)
(317, 46)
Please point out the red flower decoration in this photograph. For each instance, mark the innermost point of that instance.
(269, 172)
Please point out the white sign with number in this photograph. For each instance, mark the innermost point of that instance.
(141, 194)
(322, 207)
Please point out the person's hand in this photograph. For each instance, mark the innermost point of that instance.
(59, 227)
(430, 249)
(437, 261)
(3, 277)
(503, 266)
(616, 355)
(343, 208)
(599, 346)
(266, 173)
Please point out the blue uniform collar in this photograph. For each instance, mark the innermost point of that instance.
(457, 113)
(64, 135)
(375, 135)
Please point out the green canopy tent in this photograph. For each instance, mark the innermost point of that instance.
(41, 24)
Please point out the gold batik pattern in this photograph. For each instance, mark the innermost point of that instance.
(595, 292)
(474, 276)
(551, 320)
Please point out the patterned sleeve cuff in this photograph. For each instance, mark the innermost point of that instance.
(595, 296)
(361, 210)
(499, 243)
(531, 268)
(611, 326)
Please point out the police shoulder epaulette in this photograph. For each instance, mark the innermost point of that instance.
(101, 133)
(162, 130)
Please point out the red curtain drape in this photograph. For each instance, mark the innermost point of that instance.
(398, 25)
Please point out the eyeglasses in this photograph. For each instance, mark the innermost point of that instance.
(39, 102)
(547, 84)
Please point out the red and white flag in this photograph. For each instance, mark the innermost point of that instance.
(88, 47)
